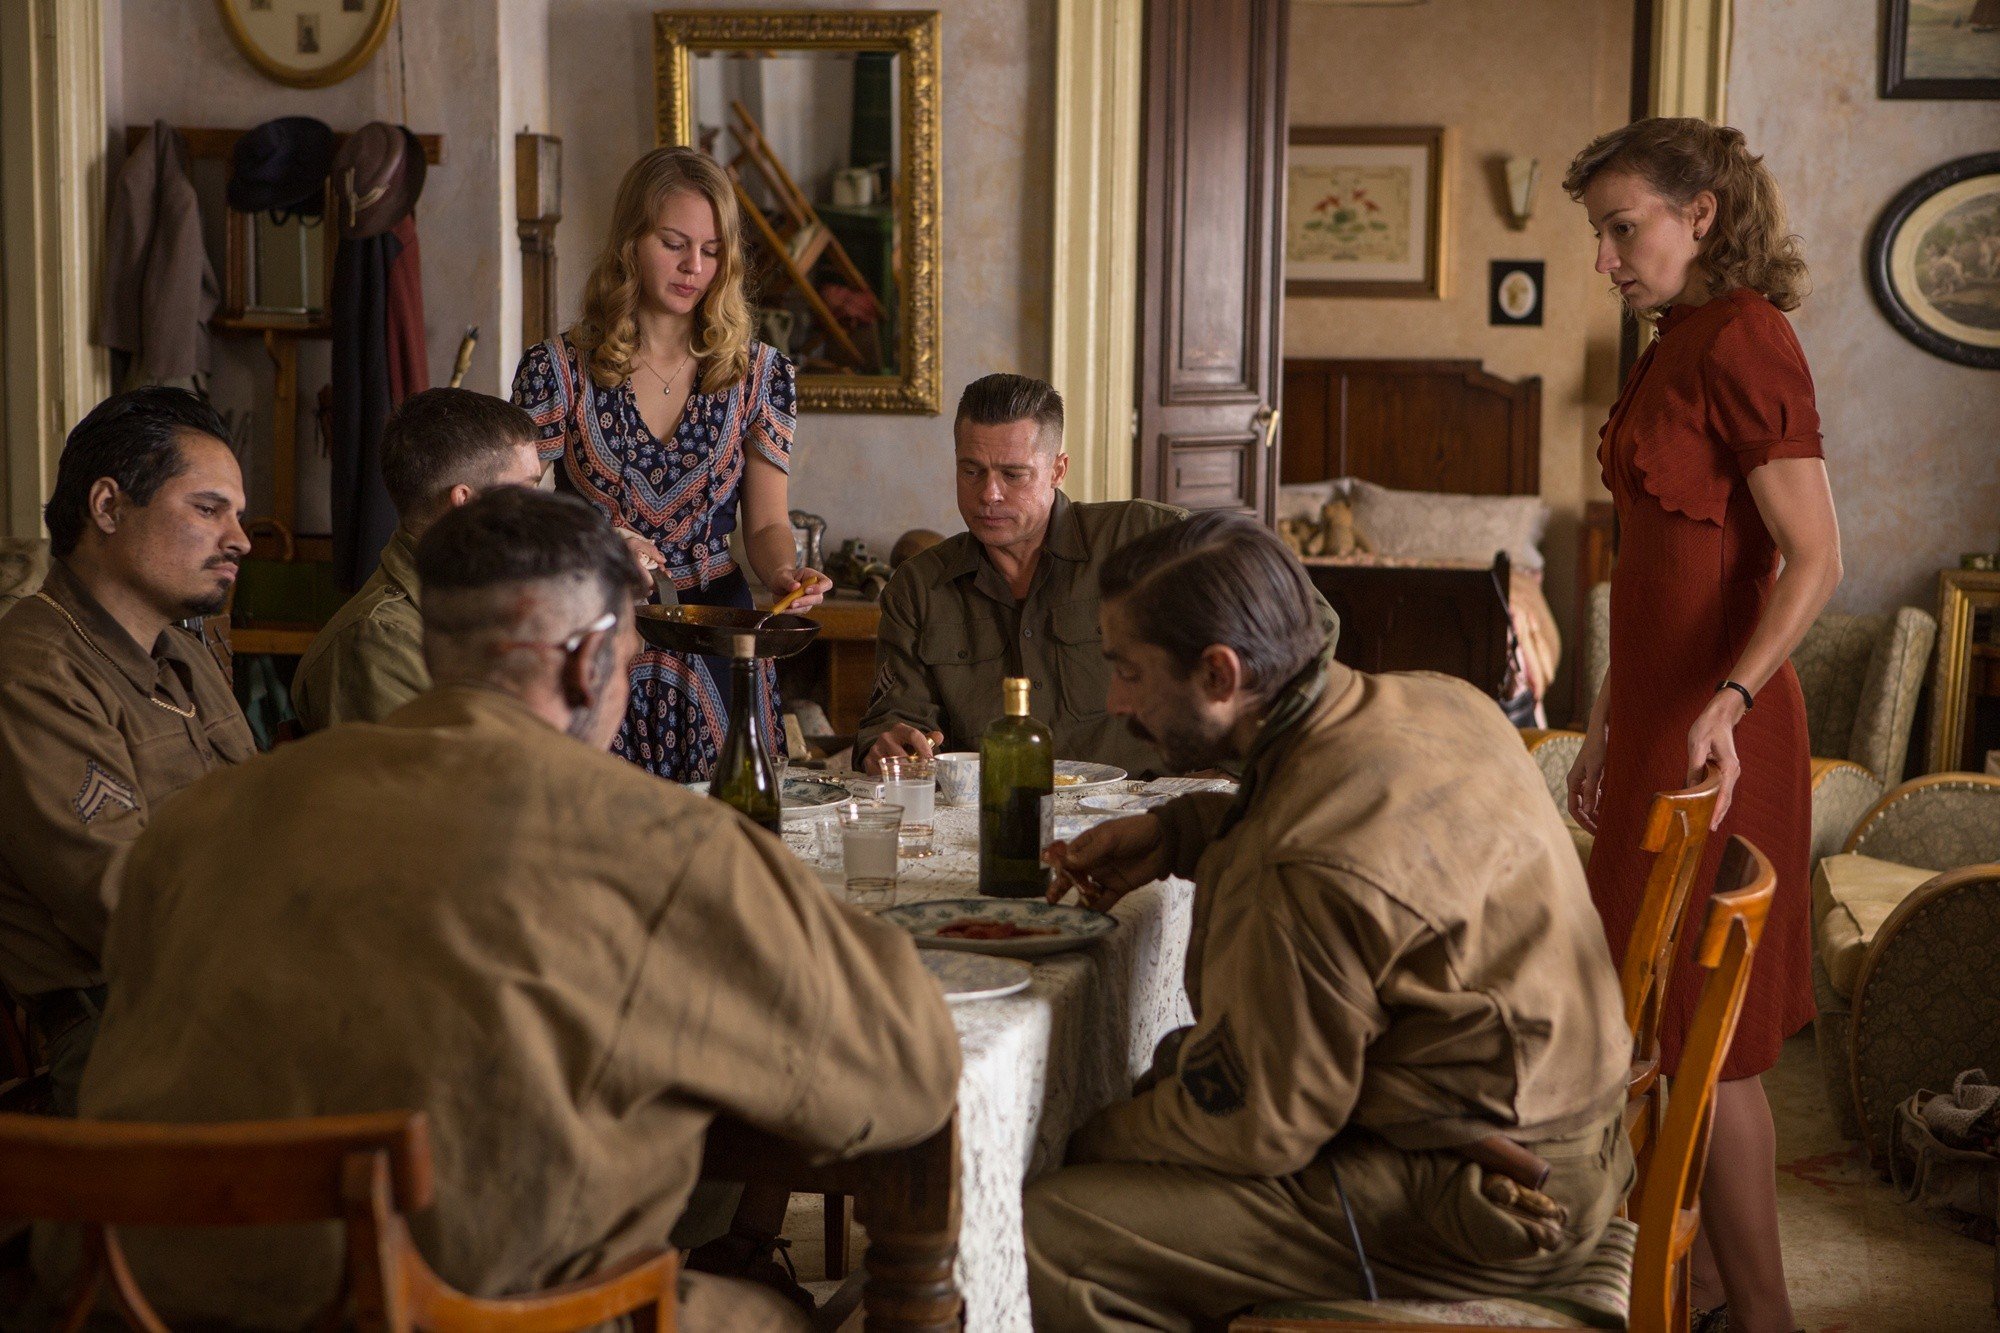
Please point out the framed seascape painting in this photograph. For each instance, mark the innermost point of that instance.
(1365, 211)
(1941, 49)
(1934, 261)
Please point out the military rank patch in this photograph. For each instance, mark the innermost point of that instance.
(99, 790)
(1213, 1073)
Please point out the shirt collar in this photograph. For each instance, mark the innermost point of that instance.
(103, 630)
(1063, 539)
(399, 562)
(1321, 685)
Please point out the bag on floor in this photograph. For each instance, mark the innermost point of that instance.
(1945, 1157)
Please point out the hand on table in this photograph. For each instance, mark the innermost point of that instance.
(903, 739)
(1108, 861)
(816, 585)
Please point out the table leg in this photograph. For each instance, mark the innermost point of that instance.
(833, 1209)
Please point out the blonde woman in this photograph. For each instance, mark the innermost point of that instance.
(669, 418)
(1713, 458)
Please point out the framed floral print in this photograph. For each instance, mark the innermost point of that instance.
(1941, 49)
(1365, 211)
(1934, 261)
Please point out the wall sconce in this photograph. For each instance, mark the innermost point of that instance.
(1522, 173)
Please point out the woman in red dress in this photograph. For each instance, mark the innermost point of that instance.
(1713, 457)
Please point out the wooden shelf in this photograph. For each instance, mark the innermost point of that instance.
(271, 637)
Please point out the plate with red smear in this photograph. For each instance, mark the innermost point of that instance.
(1007, 927)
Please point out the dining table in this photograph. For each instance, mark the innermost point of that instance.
(1042, 1061)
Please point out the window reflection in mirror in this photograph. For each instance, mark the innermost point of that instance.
(287, 265)
(812, 138)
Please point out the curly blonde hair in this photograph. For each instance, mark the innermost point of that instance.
(1679, 157)
(607, 334)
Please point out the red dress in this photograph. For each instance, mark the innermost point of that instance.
(1723, 390)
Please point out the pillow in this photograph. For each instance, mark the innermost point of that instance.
(1451, 527)
(1304, 499)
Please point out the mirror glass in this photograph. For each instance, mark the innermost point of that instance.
(287, 268)
(813, 140)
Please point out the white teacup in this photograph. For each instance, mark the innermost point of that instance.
(958, 777)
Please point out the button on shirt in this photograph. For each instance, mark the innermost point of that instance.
(87, 752)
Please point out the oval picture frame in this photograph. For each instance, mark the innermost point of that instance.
(1942, 291)
(255, 26)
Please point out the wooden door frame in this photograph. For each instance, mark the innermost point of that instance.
(1095, 299)
(52, 190)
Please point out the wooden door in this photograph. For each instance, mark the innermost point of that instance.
(1211, 274)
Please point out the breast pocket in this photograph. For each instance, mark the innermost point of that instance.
(1082, 675)
(966, 659)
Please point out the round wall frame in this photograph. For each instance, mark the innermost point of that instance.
(1934, 261)
(308, 43)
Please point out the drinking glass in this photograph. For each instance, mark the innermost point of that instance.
(910, 781)
(868, 834)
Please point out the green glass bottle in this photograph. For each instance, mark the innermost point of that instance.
(1017, 768)
(745, 777)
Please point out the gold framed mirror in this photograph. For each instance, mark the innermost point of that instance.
(827, 121)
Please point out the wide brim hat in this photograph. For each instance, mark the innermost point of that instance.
(377, 176)
(281, 167)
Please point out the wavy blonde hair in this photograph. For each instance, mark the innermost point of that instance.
(607, 334)
(1678, 156)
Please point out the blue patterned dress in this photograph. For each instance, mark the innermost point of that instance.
(682, 497)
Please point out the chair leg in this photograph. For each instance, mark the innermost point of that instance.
(835, 1209)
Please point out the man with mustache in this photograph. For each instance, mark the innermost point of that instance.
(106, 708)
(1013, 595)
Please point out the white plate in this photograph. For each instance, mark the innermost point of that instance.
(799, 797)
(971, 976)
(1124, 803)
(1087, 776)
(1078, 927)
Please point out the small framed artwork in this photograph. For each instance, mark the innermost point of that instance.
(1514, 292)
(1366, 211)
(308, 43)
(1941, 49)
(1934, 261)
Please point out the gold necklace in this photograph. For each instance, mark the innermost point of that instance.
(666, 384)
(187, 712)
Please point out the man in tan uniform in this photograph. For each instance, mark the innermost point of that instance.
(473, 909)
(441, 448)
(1394, 957)
(106, 708)
(1013, 595)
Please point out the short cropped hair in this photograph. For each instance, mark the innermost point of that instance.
(132, 438)
(441, 438)
(515, 535)
(1001, 400)
(1218, 578)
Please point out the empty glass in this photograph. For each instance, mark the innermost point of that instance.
(868, 834)
(910, 781)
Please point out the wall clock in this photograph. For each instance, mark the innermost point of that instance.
(308, 43)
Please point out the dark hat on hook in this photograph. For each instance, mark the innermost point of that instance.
(281, 167)
(377, 176)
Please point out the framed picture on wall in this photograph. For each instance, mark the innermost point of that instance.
(1366, 211)
(1941, 49)
(1934, 261)
(1514, 293)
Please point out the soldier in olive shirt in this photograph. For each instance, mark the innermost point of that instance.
(107, 709)
(1014, 595)
(441, 448)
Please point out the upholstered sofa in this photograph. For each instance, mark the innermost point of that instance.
(1906, 934)
(1860, 676)
(24, 563)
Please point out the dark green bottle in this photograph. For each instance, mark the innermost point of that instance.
(1017, 768)
(745, 777)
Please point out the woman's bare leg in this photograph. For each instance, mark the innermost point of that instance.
(1737, 1254)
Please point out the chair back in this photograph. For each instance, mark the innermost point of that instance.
(1670, 1208)
(368, 1170)
(1676, 834)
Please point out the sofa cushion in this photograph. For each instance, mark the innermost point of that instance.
(1852, 896)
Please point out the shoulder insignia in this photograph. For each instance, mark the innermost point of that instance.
(1212, 1072)
(99, 790)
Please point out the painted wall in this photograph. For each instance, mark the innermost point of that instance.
(1912, 440)
(869, 475)
(1535, 78)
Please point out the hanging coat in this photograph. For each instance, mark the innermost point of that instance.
(363, 518)
(159, 288)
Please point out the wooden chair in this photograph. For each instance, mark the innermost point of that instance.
(369, 1171)
(1636, 1283)
(906, 1199)
(1677, 834)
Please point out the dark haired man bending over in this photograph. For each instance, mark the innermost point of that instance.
(1395, 968)
(441, 448)
(106, 709)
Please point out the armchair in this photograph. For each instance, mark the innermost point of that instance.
(1860, 676)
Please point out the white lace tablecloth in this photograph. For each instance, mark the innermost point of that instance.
(1041, 1062)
